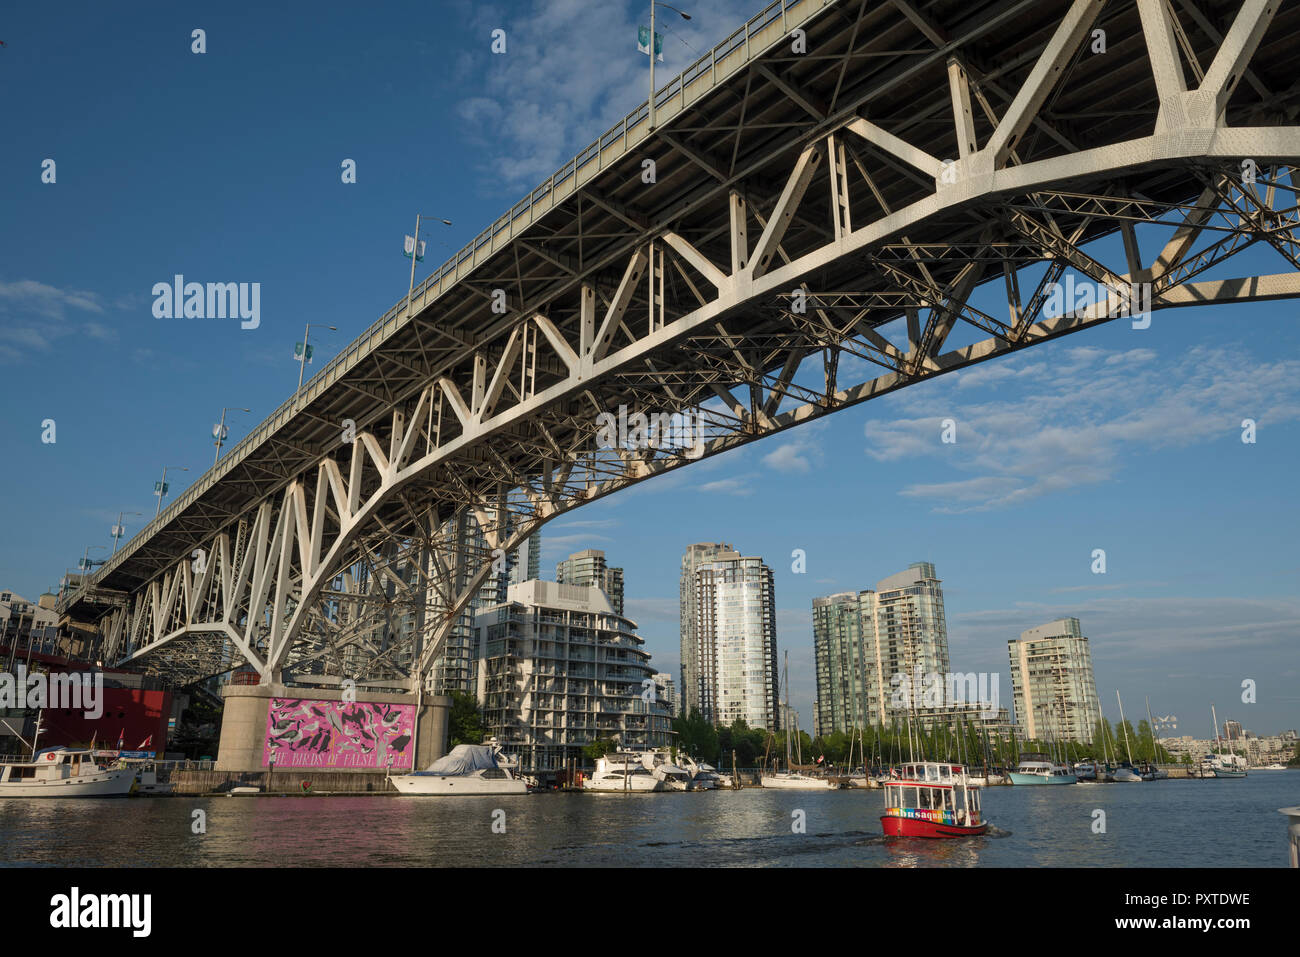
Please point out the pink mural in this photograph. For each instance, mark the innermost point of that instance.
(304, 733)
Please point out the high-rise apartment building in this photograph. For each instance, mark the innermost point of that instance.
(691, 690)
(667, 690)
(1052, 683)
(840, 656)
(863, 640)
(588, 568)
(557, 669)
(729, 639)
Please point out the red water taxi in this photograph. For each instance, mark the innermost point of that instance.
(930, 799)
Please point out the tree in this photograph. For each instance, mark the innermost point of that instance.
(465, 725)
(696, 736)
(598, 749)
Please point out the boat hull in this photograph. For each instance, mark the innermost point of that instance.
(915, 827)
(639, 783)
(795, 783)
(1024, 779)
(1220, 773)
(432, 785)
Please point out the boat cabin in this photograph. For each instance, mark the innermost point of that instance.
(930, 791)
(50, 764)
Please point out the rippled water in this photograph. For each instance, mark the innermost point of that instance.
(1223, 823)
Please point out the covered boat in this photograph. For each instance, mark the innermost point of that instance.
(931, 799)
(467, 769)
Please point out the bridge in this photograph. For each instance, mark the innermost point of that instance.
(838, 178)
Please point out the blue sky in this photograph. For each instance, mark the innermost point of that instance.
(226, 167)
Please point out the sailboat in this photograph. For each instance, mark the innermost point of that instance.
(1224, 765)
(791, 778)
(1125, 773)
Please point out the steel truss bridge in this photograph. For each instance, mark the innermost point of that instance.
(844, 201)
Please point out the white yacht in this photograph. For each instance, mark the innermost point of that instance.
(795, 781)
(468, 769)
(660, 764)
(63, 772)
(1040, 769)
(703, 776)
(622, 771)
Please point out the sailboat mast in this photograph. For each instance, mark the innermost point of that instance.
(787, 709)
(1214, 714)
(1127, 749)
(1151, 726)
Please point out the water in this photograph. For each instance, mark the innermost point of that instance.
(1215, 823)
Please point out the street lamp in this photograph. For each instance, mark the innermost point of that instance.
(160, 488)
(86, 564)
(119, 529)
(684, 16)
(416, 255)
(220, 431)
(306, 351)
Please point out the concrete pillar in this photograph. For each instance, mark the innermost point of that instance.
(1293, 832)
(435, 721)
(243, 723)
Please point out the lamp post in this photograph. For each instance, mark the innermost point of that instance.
(119, 529)
(161, 490)
(219, 430)
(415, 254)
(302, 360)
(684, 16)
(85, 564)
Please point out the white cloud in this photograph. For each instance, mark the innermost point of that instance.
(798, 454)
(731, 486)
(1076, 419)
(34, 315)
(570, 72)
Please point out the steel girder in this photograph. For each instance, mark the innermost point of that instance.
(735, 307)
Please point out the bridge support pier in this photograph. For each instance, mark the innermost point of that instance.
(244, 729)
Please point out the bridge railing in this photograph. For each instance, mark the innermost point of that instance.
(712, 65)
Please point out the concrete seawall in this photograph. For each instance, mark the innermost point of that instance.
(283, 782)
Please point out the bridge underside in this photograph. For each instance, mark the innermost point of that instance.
(853, 202)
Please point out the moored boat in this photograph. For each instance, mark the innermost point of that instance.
(795, 780)
(703, 777)
(660, 765)
(622, 771)
(1224, 764)
(63, 773)
(935, 800)
(1039, 769)
(468, 769)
